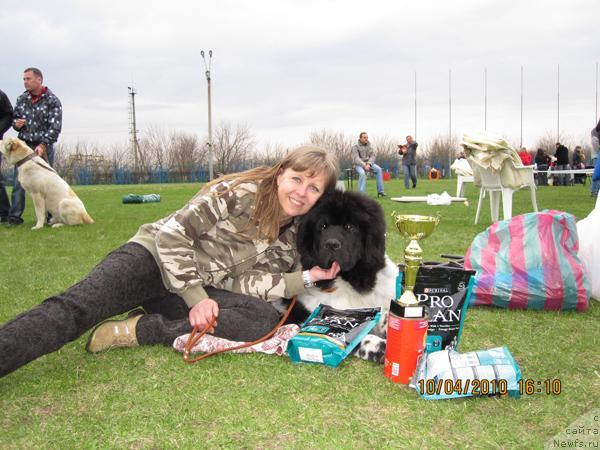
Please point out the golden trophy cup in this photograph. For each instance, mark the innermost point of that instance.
(414, 227)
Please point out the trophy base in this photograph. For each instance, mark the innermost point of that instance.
(408, 312)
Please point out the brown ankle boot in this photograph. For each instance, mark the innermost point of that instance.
(113, 334)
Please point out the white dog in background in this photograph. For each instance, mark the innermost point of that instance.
(48, 190)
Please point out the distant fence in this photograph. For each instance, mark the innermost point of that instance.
(85, 176)
(91, 175)
(88, 176)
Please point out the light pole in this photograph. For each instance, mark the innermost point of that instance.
(415, 105)
(521, 142)
(558, 103)
(449, 120)
(210, 142)
(485, 99)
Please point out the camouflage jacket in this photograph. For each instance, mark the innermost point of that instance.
(201, 245)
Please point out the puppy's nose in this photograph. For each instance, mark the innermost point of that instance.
(332, 244)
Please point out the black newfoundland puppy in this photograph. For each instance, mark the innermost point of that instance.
(348, 227)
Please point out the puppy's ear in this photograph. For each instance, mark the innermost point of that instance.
(374, 254)
(307, 236)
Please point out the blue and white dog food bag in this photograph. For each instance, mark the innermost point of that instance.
(448, 374)
(329, 334)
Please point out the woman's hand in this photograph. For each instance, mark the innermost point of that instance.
(317, 274)
(201, 314)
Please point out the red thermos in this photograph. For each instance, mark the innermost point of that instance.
(406, 335)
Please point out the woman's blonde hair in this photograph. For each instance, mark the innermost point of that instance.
(267, 212)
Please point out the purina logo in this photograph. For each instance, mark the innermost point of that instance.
(442, 290)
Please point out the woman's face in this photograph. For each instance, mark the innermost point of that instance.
(297, 192)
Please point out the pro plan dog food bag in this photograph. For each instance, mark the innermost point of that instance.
(444, 290)
(329, 334)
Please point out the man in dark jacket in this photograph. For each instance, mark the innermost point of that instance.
(6, 112)
(38, 119)
(562, 163)
(409, 162)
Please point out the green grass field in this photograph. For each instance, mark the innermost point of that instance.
(149, 398)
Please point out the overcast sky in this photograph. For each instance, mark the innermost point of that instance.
(286, 68)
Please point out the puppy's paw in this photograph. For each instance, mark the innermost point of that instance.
(57, 225)
(372, 348)
(37, 227)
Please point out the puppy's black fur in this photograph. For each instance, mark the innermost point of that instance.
(349, 228)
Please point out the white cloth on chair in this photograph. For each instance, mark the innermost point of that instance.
(491, 153)
(462, 167)
(497, 169)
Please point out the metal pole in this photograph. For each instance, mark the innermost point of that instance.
(558, 103)
(135, 145)
(449, 121)
(449, 103)
(415, 105)
(485, 99)
(521, 143)
(210, 141)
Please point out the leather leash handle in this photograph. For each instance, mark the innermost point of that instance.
(196, 335)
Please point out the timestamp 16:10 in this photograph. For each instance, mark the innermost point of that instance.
(549, 386)
(526, 386)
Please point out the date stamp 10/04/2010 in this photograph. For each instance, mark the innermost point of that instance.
(526, 386)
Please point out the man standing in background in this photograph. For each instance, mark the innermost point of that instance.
(38, 119)
(364, 158)
(409, 162)
(6, 115)
(562, 163)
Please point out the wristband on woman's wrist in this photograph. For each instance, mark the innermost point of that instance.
(306, 279)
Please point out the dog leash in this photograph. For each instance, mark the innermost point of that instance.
(30, 158)
(196, 335)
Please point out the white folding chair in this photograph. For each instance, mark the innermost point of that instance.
(492, 182)
(460, 184)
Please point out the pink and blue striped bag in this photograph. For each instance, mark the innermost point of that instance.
(529, 262)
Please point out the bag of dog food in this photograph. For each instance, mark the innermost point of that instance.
(329, 334)
(449, 374)
(444, 290)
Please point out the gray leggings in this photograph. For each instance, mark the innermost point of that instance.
(127, 278)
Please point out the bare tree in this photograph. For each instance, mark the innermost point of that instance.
(336, 142)
(118, 156)
(154, 145)
(386, 148)
(439, 152)
(184, 152)
(269, 154)
(61, 154)
(232, 145)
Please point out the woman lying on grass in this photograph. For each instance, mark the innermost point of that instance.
(226, 254)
